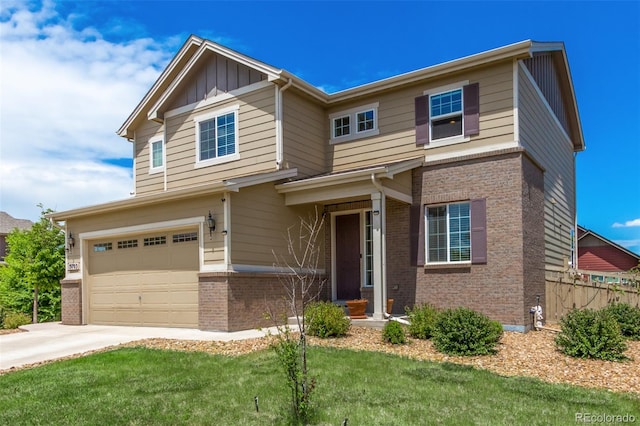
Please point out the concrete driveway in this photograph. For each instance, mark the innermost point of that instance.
(49, 341)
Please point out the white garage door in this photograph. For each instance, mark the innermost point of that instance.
(145, 280)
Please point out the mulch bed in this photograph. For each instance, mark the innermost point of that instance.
(533, 354)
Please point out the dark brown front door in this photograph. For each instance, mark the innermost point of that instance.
(347, 256)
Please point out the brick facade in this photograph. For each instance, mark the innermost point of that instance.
(505, 287)
(71, 295)
(232, 301)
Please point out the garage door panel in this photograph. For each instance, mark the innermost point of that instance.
(153, 285)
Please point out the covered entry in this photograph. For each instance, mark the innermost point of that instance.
(144, 280)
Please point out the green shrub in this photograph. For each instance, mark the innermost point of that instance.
(15, 320)
(628, 317)
(393, 333)
(423, 321)
(324, 319)
(587, 333)
(462, 331)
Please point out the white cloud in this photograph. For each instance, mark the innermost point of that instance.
(64, 92)
(627, 224)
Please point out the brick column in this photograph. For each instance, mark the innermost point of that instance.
(71, 302)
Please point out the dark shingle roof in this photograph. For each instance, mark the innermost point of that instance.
(8, 223)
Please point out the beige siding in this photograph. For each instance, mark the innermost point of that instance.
(256, 130)
(145, 182)
(304, 135)
(396, 121)
(544, 139)
(259, 222)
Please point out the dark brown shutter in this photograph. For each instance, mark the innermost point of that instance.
(416, 231)
(479, 231)
(471, 99)
(422, 120)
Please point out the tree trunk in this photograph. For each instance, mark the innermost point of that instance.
(35, 305)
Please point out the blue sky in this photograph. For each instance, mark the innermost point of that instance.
(71, 72)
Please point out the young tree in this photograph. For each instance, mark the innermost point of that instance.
(35, 266)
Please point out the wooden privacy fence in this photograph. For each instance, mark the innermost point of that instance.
(580, 289)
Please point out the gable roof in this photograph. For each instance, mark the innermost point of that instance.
(8, 223)
(584, 233)
(194, 49)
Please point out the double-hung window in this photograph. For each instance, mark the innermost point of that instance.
(156, 155)
(354, 123)
(217, 136)
(446, 114)
(449, 233)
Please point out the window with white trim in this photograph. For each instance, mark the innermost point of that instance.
(156, 155)
(448, 236)
(354, 123)
(446, 114)
(217, 136)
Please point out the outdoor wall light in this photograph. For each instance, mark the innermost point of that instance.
(376, 212)
(71, 241)
(211, 223)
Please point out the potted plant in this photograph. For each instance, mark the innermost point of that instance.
(357, 308)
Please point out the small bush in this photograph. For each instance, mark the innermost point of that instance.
(324, 319)
(462, 331)
(393, 333)
(15, 320)
(628, 317)
(588, 333)
(423, 321)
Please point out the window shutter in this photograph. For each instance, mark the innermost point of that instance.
(416, 235)
(471, 99)
(479, 231)
(422, 120)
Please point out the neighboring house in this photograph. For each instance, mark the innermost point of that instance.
(451, 185)
(596, 253)
(7, 224)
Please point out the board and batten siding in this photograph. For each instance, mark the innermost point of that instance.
(259, 223)
(145, 181)
(396, 121)
(256, 141)
(304, 133)
(543, 137)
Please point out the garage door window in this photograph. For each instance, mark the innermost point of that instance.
(155, 241)
(102, 247)
(127, 244)
(182, 238)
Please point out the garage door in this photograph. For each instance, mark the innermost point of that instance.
(145, 280)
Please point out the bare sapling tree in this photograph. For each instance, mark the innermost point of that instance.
(300, 275)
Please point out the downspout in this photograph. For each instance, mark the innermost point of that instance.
(383, 249)
(279, 113)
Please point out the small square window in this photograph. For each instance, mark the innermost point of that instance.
(365, 121)
(341, 127)
(355, 123)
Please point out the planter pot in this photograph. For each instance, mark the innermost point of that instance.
(357, 308)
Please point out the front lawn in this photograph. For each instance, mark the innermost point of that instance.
(146, 386)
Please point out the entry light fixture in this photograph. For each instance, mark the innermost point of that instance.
(211, 223)
(71, 241)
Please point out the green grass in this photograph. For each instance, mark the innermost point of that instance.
(138, 386)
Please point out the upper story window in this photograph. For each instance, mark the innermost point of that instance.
(448, 114)
(156, 155)
(449, 233)
(217, 137)
(354, 123)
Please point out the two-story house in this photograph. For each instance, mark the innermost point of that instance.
(451, 185)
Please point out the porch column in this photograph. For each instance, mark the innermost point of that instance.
(379, 257)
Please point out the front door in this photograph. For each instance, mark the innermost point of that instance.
(347, 256)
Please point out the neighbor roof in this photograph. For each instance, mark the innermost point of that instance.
(8, 223)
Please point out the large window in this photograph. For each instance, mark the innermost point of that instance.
(448, 233)
(354, 123)
(217, 136)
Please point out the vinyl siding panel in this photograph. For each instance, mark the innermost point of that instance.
(304, 135)
(396, 121)
(259, 222)
(145, 182)
(545, 140)
(256, 146)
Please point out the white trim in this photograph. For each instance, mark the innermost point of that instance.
(516, 101)
(133, 154)
(452, 139)
(158, 169)
(234, 184)
(352, 113)
(134, 229)
(544, 101)
(226, 209)
(218, 99)
(213, 115)
(471, 151)
(334, 284)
